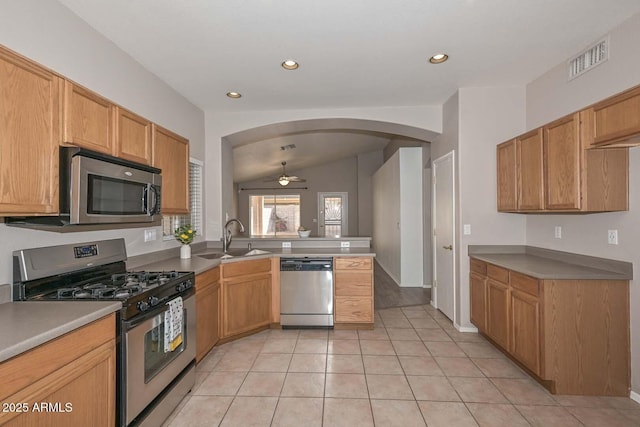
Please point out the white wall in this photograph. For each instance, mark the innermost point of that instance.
(368, 163)
(219, 125)
(397, 216)
(475, 120)
(550, 97)
(50, 34)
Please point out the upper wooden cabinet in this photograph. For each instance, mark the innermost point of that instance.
(133, 137)
(616, 120)
(557, 172)
(88, 119)
(529, 149)
(562, 160)
(171, 154)
(29, 137)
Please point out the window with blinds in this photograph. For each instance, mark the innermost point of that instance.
(171, 222)
(274, 215)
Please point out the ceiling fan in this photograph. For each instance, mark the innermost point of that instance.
(285, 179)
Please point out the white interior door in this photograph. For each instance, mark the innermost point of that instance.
(443, 215)
(332, 215)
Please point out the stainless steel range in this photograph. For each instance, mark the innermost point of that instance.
(154, 372)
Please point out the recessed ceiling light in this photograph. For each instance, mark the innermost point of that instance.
(290, 64)
(439, 58)
(234, 95)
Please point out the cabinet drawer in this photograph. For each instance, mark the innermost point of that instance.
(352, 284)
(243, 268)
(204, 280)
(353, 309)
(479, 267)
(498, 273)
(353, 263)
(524, 283)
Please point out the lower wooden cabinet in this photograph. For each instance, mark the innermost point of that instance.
(573, 335)
(73, 378)
(498, 312)
(353, 290)
(246, 296)
(207, 311)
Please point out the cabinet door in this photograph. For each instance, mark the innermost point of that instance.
(29, 137)
(525, 329)
(246, 304)
(208, 319)
(617, 119)
(88, 119)
(133, 137)
(507, 176)
(171, 154)
(563, 163)
(353, 309)
(478, 291)
(498, 312)
(530, 171)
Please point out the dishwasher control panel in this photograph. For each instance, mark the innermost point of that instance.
(306, 264)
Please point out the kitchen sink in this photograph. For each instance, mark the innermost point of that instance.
(233, 253)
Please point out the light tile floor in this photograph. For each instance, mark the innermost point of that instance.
(413, 369)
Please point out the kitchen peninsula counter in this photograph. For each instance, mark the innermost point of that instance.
(197, 264)
(550, 264)
(28, 324)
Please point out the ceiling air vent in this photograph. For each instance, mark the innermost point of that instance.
(588, 59)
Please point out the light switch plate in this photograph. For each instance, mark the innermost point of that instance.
(345, 244)
(558, 232)
(466, 229)
(149, 235)
(286, 244)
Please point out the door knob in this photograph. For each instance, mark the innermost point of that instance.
(450, 247)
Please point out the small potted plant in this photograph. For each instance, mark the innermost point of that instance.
(185, 235)
(303, 232)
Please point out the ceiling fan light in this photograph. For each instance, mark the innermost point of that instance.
(284, 181)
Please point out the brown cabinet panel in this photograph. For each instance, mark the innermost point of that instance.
(353, 310)
(133, 137)
(479, 267)
(353, 284)
(563, 163)
(87, 119)
(525, 330)
(244, 268)
(353, 263)
(530, 171)
(498, 312)
(507, 176)
(171, 154)
(525, 283)
(30, 109)
(207, 311)
(246, 304)
(616, 120)
(478, 292)
(63, 370)
(498, 273)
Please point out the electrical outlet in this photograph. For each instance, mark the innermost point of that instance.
(345, 244)
(558, 232)
(149, 235)
(286, 245)
(466, 229)
(612, 237)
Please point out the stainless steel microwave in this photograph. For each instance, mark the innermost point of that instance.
(98, 189)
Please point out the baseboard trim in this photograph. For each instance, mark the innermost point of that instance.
(465, 328)
(634, 396)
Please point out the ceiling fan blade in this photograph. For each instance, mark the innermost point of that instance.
(296, 179)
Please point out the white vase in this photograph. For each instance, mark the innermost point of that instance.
(185, 251)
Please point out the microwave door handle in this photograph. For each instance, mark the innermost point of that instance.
(155, 209)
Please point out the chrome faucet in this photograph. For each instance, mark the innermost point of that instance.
(226, 233)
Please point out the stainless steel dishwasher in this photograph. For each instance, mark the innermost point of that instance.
(306, 292)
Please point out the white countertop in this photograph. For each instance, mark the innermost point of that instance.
(27, 324)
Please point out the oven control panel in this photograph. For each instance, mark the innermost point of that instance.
(85, 251)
